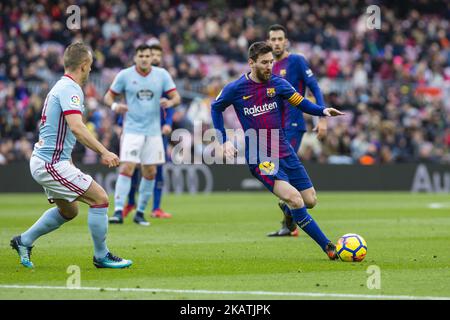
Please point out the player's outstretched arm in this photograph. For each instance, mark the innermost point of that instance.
(81, 132)
(332, 112)
(307, 106)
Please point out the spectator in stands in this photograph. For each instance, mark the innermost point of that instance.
(398, 74)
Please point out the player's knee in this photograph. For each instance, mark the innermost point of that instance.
(294, 200)
(150, 176)
(68, 213)
(311, 202)
(101, 199)
(149, 173)
(127, 169)
(298, 202)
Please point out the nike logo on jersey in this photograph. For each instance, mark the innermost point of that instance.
(247, 97)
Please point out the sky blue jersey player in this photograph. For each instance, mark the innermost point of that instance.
(295, 69)
(166, 129)
(143, 86)
(258, 99)
(157, 212)
(51, 166)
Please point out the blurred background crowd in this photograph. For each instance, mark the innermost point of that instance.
(393, 83)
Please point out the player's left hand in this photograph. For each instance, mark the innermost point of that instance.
(166, 129)
(165, 103)
(332, 112)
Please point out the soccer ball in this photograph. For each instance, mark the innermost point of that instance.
(351, 248)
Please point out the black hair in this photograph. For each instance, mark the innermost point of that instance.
(156, 46)
(277, 27)
(142, 47)
(257, 49)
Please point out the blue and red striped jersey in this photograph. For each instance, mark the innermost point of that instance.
(295, 69)
(261, 106)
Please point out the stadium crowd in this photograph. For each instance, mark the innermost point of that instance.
(393, 83)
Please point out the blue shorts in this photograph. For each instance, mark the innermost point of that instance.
(290, 169)
(294, 137)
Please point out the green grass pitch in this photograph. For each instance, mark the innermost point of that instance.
(218, 243)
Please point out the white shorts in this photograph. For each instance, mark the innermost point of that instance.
(142, 149)
(61, 180)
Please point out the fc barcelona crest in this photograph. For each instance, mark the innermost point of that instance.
(271, 92)
(283, 73)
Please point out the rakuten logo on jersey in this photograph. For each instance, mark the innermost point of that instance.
(259, 110)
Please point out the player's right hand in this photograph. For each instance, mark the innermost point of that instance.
(110, 159)
(228, 150)
(165, 103)
(121, 108)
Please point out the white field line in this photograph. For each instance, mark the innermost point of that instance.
(212, 292)
(439, 205)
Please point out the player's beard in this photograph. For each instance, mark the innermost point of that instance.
(277, 55)
(263, 76)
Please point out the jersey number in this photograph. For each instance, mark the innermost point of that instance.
(43, 116)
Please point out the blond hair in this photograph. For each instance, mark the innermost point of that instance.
(74, 55)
